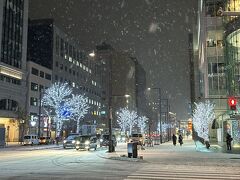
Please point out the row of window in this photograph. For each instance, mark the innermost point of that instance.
(10, 79)
(37, 87)
(8, 104)
(74, 85)
(34, 102)
(85, 68)
(12, 33)
(71, 54)
(36, 72)
(63, 48)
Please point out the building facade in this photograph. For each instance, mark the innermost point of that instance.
(119, 76)
(216, 49)
(53, 49)
(13, 51)
(38, 79)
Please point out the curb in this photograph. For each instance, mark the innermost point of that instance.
(119, 158)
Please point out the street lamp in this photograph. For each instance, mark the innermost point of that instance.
(159, 108)
(92, 54)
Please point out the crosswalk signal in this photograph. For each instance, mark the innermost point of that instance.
(232, 102)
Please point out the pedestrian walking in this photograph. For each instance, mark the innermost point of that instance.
(228, 141)
(174, 139)
(180, 139)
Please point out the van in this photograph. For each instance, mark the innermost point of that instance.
(138, 138)
(30, 139)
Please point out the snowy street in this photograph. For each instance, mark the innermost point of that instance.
(161, 161)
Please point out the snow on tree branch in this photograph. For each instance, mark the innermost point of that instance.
(78, 108)
(55, 97)
(203, 116)
(142, 123)
(132, 119)
(122, 119)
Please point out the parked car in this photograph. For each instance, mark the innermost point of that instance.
(86, 142)
(45, 140)
(104, 140)
(137, 137)
(69, 142)
(30, 139)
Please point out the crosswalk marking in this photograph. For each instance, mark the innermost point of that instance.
(183, 173)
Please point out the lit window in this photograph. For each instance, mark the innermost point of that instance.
(84, 67)
(70, 59)
(73, 84)
(77, 63)
(87, 69)
(34, 86)
(80, 65)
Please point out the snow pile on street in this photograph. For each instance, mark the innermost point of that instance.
(125, 158)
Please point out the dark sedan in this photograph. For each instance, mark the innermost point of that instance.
(70, 141)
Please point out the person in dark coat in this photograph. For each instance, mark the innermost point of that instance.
(228, 141)
(174, 139)
(180, 139)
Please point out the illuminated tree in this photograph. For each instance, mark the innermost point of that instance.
(165, 126)
(203, 116)
(127, 119)
(55, 97)
(142, 123)
(122, 119)
(78, 108)
(132, 119)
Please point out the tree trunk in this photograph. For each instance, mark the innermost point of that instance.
(78, 126)
(130, 130)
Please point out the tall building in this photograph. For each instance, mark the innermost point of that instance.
(119, 76)
(217, 52)
(141, 87)
(53, 49)
(13, 48)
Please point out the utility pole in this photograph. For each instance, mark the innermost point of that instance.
(39, 111)
(110, 147)
(160, 112)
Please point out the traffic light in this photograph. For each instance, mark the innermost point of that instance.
(232, 102)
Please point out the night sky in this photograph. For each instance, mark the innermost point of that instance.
(156, 31)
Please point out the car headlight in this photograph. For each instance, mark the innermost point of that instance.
(77, 142)
(73, 141)
(64, 141)
(101, 140)
(123, 138)
(87, 142)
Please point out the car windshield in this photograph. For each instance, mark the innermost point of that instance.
(105, 136)
(70, 137)
(27, 137)
(137, 135)
(83, 138)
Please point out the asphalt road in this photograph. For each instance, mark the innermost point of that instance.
(160, 162)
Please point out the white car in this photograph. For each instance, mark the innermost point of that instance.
(30, 139)
(86, 142)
